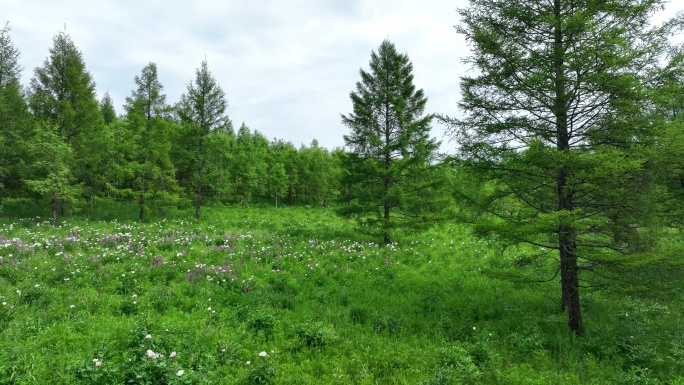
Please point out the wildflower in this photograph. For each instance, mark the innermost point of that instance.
(263, 354)
(474, 328)
(148, 337)
(173, 354)
(37, 286)
(152, 354)
(249, 362)
(180, 372)
(71, 306)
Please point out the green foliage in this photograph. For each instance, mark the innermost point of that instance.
(316, 335)
(149, 124)
(201, 111)
(15, 124)
(62, 94)
(391, 148)
(107, 110)
(557, 117)
(249, 166)
(174, 301)
(52, 178)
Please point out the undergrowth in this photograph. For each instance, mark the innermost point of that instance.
(292, 296)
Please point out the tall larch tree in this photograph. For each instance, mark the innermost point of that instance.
(389, 143)
(553, 115)
(202, 111)
(15, 120)
(149, 124)
(63, 95)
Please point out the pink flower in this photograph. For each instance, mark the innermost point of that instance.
(173, 354)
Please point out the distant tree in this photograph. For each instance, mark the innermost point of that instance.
(10, 69)
(319, 174)
(220, 150)
(202, 110)
(147, 115)
(286, 153)
(51, 178)
(249, 167)
(107, 110)
(277, 180)
(389, 142)
(15, 120)
(554, 116)
(63, 96)
(667, 92)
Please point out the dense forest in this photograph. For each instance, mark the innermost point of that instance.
(60, 144)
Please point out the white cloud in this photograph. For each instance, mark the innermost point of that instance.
(287, 67)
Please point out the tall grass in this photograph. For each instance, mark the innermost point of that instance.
(293, 296)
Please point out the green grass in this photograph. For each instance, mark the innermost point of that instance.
(326, 306)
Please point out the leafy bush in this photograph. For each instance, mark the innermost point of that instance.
(316, 335)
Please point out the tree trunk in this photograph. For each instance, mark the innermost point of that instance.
(55, 203)
(388, 160)
(141, 201)
(570, 282)
(565, 194)
(198, 196)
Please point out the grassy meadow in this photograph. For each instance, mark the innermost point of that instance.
(294, 295)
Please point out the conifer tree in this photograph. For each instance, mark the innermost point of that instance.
(107, 110)
(202, 111)
(554, 114)
(148, 118)
(389, 142)
(63, 96)
(15, 120)
(51, 178)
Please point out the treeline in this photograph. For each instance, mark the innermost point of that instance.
(60, 144)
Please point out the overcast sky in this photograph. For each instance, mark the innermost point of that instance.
(287, 67)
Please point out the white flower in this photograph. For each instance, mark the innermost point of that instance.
(249, 362)
(152, 354)
(173, 354)
(263, 354)
(71, 306)
(180, 372)
(37, 286)
(148, 337)
(474, 328)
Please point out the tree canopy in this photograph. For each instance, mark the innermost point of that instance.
(390, 143)
(555, 116)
